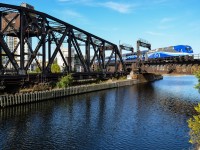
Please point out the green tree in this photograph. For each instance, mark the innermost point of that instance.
(65, 81)
(194, 121)
(194, 125)
(55, 68)
(197, 74)
(37, 70)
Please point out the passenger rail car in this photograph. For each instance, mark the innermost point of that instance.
(178, 51)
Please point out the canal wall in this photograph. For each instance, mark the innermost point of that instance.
(22, 98)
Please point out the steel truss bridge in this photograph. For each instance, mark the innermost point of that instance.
(51, 34)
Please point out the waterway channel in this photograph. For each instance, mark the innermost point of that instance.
(149, 116)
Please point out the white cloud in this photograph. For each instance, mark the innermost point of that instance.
(165, 27)
(159, 1)
(119, 7)
(154, 33)
(64, 0)
(76, 1)
(71, 16)
(166, 23)
(166, 20)
(122, 8)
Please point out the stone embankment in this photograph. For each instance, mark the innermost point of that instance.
(22, 98)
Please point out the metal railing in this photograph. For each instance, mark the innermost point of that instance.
(196, 56)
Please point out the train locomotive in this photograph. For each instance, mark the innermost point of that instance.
(171, 51)
(159, 53)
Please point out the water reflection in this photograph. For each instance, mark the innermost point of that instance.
(133, 117)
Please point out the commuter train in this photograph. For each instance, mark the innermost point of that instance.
(172, 51)
(160, 53)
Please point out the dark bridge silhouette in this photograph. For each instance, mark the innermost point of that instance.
(25, 23)
(50, 33)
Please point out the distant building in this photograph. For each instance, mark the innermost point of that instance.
(77, 64)
(65, 54)
(12, 41)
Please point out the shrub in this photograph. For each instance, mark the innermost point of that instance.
(194, 122)
(55, 68)
(197, 74)
(194, 125)
(65, 81)
(37, 70)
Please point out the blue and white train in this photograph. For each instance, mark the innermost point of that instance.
(160, 53)
(171, 51)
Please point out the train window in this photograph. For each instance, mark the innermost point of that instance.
(188, 48)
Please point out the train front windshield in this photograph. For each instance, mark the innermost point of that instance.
(189, 49)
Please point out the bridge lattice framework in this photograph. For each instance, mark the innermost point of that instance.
(51, 33)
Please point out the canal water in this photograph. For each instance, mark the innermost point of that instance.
(151, 116)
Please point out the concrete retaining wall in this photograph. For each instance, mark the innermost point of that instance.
(21, 98)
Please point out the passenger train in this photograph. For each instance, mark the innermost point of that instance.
(172, 51)
(162, 53)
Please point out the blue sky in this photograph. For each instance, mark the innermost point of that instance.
(161, 22)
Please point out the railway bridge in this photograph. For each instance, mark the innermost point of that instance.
(23, 26)
(176, 65)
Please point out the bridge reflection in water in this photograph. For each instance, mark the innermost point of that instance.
(146, 116)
